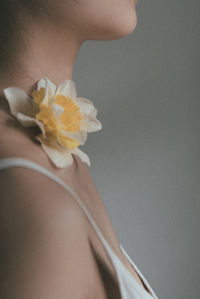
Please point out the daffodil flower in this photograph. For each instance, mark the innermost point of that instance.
(63, 118)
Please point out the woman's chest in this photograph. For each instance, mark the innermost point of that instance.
(105, 281)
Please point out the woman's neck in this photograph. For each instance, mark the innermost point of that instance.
(42, 50)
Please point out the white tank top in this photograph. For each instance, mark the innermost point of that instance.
(128, 285)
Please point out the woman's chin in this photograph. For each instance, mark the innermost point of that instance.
(120, 29)
(128, 27)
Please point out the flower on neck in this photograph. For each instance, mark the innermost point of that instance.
(63, 118)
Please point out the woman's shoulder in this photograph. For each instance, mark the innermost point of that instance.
(44, 222)
(28, 198)
(31, 191)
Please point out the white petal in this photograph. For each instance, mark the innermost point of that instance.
(90, 124)
(80, 136)
(49, 87)
(44, 82)
(83, 156)
(60, 159)
(86, 106)
(27, 121)
(18, 101)
(67, 88)
(94, 112)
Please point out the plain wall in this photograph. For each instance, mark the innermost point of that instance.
(145, 160)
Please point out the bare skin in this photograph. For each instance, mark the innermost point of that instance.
(53, 45)
(13, 138)
(49, 45)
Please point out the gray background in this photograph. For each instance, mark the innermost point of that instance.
(145, 160)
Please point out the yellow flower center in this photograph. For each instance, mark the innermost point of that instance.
(69, 120)
(71, 116)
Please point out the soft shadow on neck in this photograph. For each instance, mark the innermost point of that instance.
(4, 104)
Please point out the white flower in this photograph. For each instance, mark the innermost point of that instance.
(64, 118)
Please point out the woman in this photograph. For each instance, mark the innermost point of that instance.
(57, 238)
